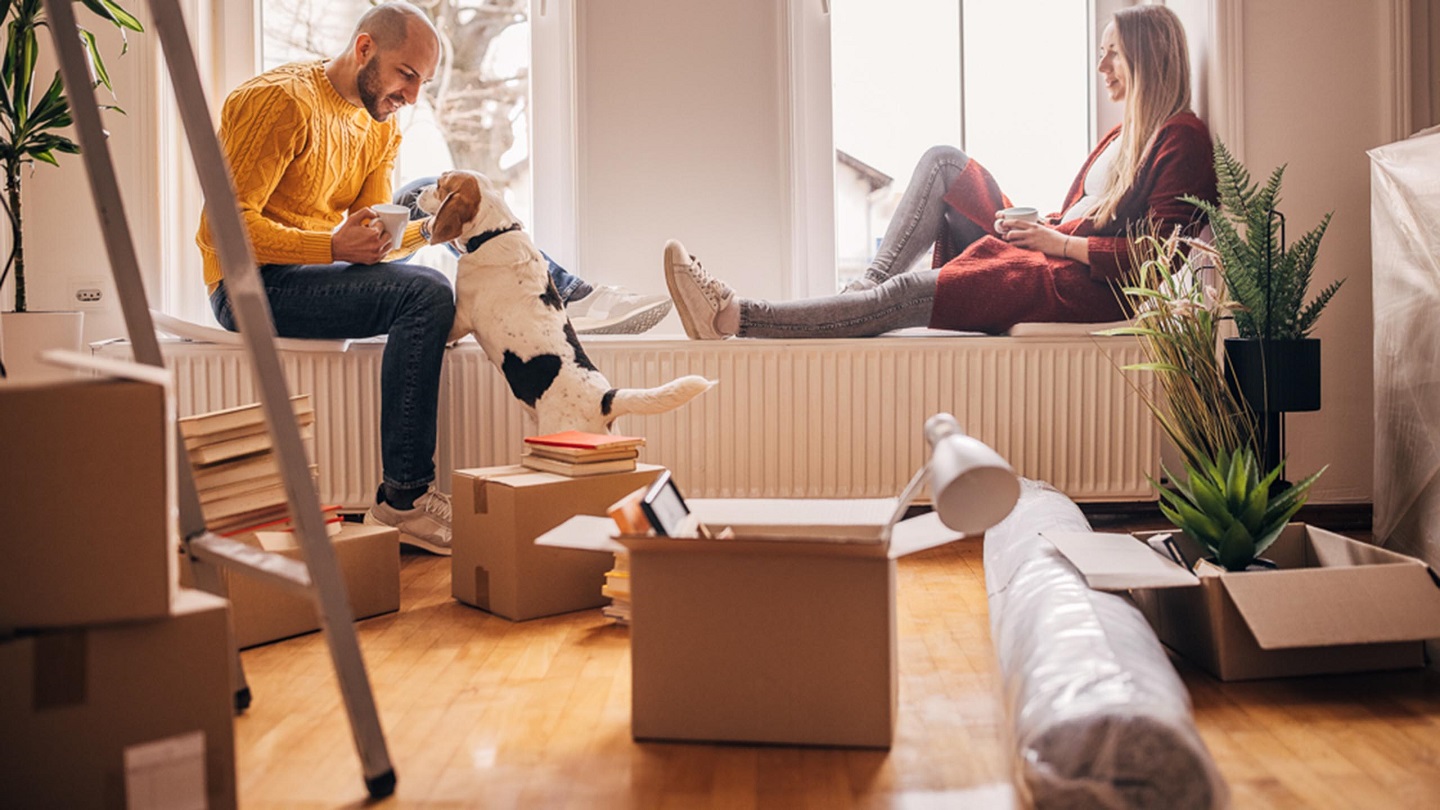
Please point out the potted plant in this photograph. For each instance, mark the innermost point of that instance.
(1274, 363)
(1223, 503)
(30, 131)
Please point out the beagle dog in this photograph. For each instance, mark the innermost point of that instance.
(504, 296)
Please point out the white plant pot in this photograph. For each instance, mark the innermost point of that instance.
(24, 335)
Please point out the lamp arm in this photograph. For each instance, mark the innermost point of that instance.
(907, 497)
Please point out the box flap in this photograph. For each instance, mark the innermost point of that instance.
(920, 533)
(1118, 562)
(516, 475)
(853, 519)
(108, 366)
(584, 532)
(1322, 607)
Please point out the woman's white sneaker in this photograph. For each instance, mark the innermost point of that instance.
(698, 295)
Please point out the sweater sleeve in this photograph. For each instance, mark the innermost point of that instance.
(378, 188)
(262, 130)
(1181, 164)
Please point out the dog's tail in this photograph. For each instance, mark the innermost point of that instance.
(660, 399)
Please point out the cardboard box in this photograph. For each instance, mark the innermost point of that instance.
(498, 513)
(1333, 605)
(369, 560)
(135, 714)
(88, 514)
(784, 634)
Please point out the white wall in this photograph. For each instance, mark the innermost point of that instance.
(682, 134)
(1316, 74)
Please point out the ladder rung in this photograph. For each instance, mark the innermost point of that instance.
(256, 562)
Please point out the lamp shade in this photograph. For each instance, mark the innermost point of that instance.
(972, 487)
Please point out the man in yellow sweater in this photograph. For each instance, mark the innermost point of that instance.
(312, 146)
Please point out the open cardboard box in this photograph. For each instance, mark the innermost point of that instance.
(369, 562)
(498, 513)
(1333, 605)
(783, 634)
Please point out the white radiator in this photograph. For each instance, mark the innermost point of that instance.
(789, 419)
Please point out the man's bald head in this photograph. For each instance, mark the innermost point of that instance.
(391, 25)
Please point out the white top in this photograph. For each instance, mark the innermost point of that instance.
(1094, 182)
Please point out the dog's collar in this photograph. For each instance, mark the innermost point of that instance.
(479, 239)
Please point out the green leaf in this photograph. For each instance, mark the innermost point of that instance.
(97, 63)
(46, 157)
(114, 13)
(1236, 548)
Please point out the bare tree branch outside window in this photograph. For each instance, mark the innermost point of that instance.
(479, 99)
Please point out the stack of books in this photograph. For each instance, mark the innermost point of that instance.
(236, 473)
(629, 519)
(576, 453)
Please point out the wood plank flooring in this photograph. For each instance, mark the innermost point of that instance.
(482, 712)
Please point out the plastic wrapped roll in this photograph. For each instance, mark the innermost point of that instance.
(1099, 717)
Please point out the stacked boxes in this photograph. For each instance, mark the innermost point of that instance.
(115, 683)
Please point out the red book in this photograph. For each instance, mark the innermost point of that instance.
(586, 441)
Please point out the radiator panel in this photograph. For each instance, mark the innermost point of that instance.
(789, 419)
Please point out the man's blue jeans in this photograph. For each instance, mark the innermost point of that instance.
(413, 305)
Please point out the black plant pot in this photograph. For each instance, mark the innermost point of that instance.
(1275, 376)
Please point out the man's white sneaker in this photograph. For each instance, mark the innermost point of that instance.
(698, 295)
(610, 310)
(426, 525)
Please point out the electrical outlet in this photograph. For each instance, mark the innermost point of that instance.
(87, 292)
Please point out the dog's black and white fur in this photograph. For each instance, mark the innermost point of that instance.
(504, 296)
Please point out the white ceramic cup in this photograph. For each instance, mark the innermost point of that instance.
(1018, 214)
(393, 218)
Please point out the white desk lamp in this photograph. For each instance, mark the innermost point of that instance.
(971, 487)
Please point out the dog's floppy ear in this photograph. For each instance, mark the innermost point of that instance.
(458, 208)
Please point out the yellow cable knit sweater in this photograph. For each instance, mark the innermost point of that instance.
(302, 157)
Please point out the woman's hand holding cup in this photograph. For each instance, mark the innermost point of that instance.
(1022, 228)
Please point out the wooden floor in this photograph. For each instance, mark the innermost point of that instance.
(482, 712)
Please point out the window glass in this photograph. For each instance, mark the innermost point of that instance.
(1005, 80)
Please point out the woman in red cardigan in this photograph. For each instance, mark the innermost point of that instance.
(990, 275)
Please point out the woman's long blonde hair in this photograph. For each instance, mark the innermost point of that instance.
(1153, 42)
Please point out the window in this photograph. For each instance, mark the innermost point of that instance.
(1005, 80)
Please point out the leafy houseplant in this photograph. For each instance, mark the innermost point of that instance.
(1227, 507)
(1274, 363)
(31, 131)
(1224, 503)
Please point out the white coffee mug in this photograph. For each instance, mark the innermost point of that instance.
(1018, 214)
(393, 218)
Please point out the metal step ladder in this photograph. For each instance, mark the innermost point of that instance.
(318, 577)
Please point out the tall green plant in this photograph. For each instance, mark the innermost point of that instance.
(1267, 277)
(1177, 322)
(31, 129)
(1223, 502)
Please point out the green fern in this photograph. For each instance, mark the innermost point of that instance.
(1267, 279)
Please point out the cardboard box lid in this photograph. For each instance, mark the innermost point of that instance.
(1118, 562)
(1322, 607)
(517, 476)
(810, 526)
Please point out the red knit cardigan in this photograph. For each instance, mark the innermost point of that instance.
(992, 285)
